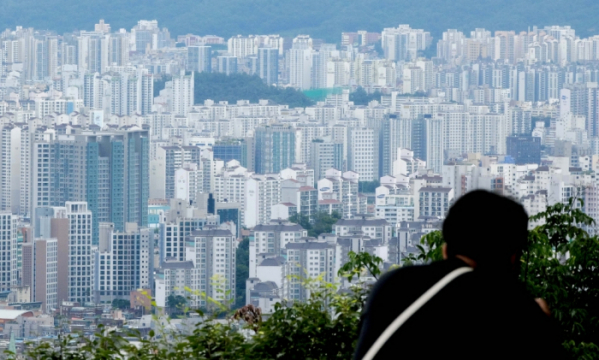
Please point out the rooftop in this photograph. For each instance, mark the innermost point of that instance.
(178, 265)
(362, 222)
(278, 227)
(435, 189)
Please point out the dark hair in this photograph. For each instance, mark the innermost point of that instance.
(486, 227)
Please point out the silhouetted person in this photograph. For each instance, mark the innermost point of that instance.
(481, 314)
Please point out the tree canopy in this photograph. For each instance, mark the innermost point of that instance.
(121, 304)
(559, 265)
(361, 97)
(176, 303)
(242, 271)
(222, 87)
(368, 186)
(320, 223)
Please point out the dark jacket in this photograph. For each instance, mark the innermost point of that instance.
(479, 315)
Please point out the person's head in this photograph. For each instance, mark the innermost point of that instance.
(487, 228)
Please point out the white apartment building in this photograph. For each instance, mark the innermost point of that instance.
(373, 227)
(81, 279)
(307, 260)
(212, 252)
(403, 42)
(41, 175)
(434, 202)
(123, 262)
(300, 63)
(180, 222)
(229, 184)
(8, 243)
(459, 177)
(10, 168)
(182, 93)
(308, 133)
(44, 107)
(272, 238)
(300, 173)
(341, 187)
(189, 182)
(261, 193)
(25, 180)
(395, 201)
(39, 271)
(242, 46)
(363, 153)
(434, 144)
(406, 164)
(207, 272)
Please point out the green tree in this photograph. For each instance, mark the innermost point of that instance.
(559, 265)
(368, 186)
(234, 87)
(121, 304)
(360, 262)
(361, 97)
(160, 83)
(302, 220)
(176, 303)
(324, 327)
(242, 259)
(322, 222)
(379, 49)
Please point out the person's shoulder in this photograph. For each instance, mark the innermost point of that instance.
(414, 276)
(438, 268)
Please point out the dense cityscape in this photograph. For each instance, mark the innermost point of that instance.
(127, 192)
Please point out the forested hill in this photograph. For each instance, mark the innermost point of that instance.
(321, 19)
(221, 87)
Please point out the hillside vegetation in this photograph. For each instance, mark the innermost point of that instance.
(221, 87)
(321, 19)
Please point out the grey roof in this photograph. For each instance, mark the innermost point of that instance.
(288, 204)
(417, 225)
(266, 286)
(362, 222)
(211, 232)
(178, 265)
(346, 241)
(278, 261)
(278, 227)
(435, 189)
(308, 245)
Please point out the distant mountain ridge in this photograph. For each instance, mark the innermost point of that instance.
(320, 19)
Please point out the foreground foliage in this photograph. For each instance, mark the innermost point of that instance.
(560, 265)
(325, 327)
(242, 270)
